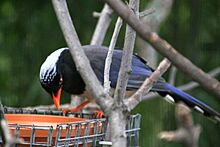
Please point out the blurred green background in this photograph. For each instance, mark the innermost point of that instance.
(29, 31)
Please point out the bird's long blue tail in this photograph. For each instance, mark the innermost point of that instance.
(179, 95)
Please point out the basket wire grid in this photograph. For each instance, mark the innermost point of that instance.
(84, 127)
(89, 133)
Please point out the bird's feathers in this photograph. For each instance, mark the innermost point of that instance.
(48, 68)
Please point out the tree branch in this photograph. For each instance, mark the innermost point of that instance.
(98, 35)
(100, 31)
(147, 12)
(191, 85)
(172, 75)
(4, 131)
(7, 139)
(185, 65)
(102, 26)
(187, 133)
(147, 85)
(162, 10)
(108, 59)
(118, 116)
(125, 68)
(79, 57)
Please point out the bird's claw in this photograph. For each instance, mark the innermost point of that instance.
(78, 108)
(98, 114)
(70, 110)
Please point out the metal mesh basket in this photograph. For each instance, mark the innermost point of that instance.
(90, 136)
(89, 133)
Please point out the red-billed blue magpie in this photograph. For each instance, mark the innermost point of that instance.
(58, 72)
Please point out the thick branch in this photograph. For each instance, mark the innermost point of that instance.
(206, 81)
(102, 26)
(147, 85)
(117, 121)
(79, 57)
(125, 68)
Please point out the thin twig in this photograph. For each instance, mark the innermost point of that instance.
(172, 76)
(102, 26)
(108, 59)
(136, 98)
(191, 85)
(96, 14)
(147, 12)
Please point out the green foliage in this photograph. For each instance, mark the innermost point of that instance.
(29, 31)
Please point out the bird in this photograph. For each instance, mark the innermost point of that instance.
(59, 73)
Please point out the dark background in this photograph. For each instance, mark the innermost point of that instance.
(29, 31)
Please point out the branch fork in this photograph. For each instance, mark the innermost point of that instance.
(187, 133)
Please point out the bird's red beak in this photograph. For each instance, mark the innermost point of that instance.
(56, 98)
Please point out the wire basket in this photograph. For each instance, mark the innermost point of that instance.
(87, 133)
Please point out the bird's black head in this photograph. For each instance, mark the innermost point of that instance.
(52, 86)
(51, 78)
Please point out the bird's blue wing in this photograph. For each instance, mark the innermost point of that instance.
(140, 71)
